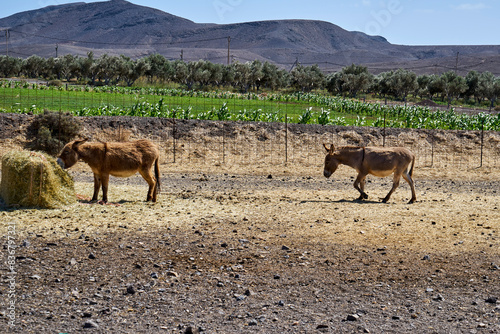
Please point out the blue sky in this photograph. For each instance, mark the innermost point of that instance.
(408, 22)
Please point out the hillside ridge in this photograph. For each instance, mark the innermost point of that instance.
(120, 27)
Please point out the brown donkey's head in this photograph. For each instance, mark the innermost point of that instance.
(69, 154)
(331, 163)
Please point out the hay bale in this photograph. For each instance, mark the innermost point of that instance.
(33, 179)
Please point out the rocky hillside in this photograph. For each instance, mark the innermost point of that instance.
(120, 27)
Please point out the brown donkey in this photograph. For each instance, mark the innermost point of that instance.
(378, 161)
(117, 159)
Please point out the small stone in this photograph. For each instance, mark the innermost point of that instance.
(253, 323)
(277, 276)
(191, 330)
(322, 326)
(492, 300)
(285, 248)
(131, 290)
(73, 262)
(426, 258)
(248, 292)
(87, 315)
(352, 317)
(269, 176)
(35, 277)
(90, 324)
(439, 297)
(91, 256)
(172, 274)
(154, 275)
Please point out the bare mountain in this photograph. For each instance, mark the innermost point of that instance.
(120, 27)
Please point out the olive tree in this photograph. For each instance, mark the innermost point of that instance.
(351, 79)
(453, 85)
(472, 80)
(381, 85)
(307, 78)
(9, 66)
(402, 83)
(33, 66)
(130, 70)
(489, 87)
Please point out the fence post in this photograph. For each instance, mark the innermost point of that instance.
(383, 140)
(173, 133)
(223, 143)
(286, 137)
(482, 141)
(432, 151)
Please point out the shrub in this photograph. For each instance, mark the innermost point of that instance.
(50, 131)
(55, 83)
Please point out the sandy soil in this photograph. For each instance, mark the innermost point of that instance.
(260, 248)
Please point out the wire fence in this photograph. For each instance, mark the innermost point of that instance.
(261, 144)
(265, 143)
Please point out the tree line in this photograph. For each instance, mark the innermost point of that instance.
(255, 75)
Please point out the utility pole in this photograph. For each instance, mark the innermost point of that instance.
(57, 46)
(7, 40)
(294, 64)
(182, 55)
(228, 49)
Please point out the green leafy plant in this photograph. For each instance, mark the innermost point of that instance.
(306, 116)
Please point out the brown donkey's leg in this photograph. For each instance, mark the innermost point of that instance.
(105, 183)
(395, 184)
(150, 179)
(97, 185)
(410, 181)
(360, 180)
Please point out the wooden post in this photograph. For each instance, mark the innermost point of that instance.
(286, 137)
(482, 141)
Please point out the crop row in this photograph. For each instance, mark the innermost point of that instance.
(222, 105)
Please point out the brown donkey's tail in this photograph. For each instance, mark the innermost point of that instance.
(157, 176)
(412, 165)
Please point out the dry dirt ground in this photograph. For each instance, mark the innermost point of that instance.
(277, 249)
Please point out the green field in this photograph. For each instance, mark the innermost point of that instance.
(21, 97)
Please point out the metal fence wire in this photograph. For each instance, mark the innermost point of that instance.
(217, 143)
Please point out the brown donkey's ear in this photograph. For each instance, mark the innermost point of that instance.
(329, 150)
(79, 142)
